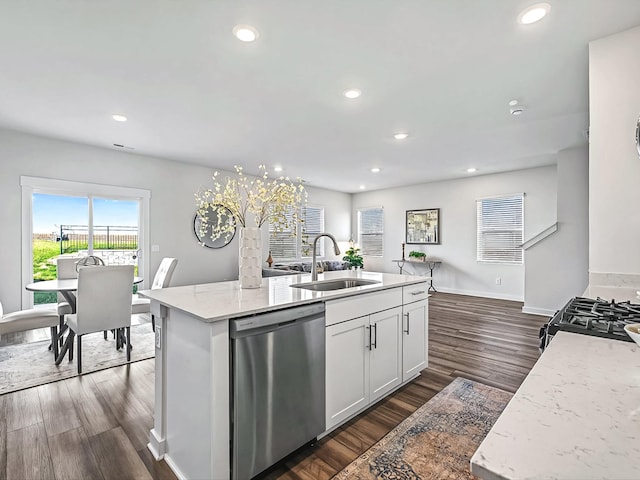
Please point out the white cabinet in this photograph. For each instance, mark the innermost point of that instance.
(347, 369)
(415, 337)
(364, 363)
(385, 352)
(369, 352)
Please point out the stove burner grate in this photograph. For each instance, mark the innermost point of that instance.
(597, 317)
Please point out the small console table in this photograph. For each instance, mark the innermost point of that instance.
(431, 264)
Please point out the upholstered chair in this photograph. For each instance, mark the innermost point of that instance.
(30, 319)
(162, 279)
(103, 303)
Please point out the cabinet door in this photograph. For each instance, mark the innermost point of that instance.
(386, 358)
(414, 339)
(347, 369)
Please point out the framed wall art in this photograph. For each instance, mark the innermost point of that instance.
(423, 226)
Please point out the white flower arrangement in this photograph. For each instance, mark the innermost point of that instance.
(266, 199)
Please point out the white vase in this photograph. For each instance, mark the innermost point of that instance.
(250, 258)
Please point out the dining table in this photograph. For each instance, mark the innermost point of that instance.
(67, 288)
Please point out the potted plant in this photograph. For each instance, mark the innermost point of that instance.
(420, 256)
(354, 258)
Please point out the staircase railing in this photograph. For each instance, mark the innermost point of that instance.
(540, 236)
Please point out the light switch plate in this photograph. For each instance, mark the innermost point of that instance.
(158, 337)
(155, 248)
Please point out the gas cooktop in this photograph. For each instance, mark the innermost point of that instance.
(597, 317)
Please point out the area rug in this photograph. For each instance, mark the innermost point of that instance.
(438, 440)
(31, 364)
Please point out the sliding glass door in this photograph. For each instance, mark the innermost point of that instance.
(63, 218)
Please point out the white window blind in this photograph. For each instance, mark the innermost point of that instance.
(286, 246)
(313, 226)
(371, 231)
(500, 223)
(283, 244)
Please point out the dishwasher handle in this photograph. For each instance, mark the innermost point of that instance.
(272, 320)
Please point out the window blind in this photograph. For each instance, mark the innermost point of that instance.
(312, 226)
(371, 231)
(283, 244)
(500, 233)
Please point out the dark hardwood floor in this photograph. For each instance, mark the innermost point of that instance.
(97, 425)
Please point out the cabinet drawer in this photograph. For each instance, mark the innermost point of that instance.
(413, 293)
(356, 306)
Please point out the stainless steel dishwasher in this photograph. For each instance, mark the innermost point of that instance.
(278, 386)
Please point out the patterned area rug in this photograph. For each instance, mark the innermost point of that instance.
(438, 440)
(31, 364)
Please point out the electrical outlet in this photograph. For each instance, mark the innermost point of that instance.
(158, 337)
(498, 281)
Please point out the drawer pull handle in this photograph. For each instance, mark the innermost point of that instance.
(418, 292)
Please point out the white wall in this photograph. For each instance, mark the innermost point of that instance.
(172, 207)
(460, 272)
(557, 267)
(614, 166)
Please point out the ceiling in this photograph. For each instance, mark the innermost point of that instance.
(443, 71)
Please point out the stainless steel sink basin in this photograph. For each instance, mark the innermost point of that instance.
(335, 284)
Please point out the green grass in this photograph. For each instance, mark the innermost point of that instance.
(44, 264)
(44, 253)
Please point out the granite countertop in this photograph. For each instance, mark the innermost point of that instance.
(576, 416)
(211, 302)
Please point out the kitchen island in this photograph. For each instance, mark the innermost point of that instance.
(192, 363)
(576, 416)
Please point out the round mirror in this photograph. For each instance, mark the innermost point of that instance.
(204, 234)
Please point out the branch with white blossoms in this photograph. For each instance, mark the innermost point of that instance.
(275, 200)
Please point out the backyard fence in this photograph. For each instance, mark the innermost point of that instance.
(74, 238)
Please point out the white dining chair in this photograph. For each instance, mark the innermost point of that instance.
(103, 303)
(30, 319)
(65, 269)
(162, 279)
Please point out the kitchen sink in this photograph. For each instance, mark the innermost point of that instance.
(335, 284)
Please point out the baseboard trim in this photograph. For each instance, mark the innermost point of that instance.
(472, 293)
(156, 446)
(538, 311)
(174, 468)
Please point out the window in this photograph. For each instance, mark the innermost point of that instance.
(285, 245)
(371, 231)
(81, 218)
(312, 227)
(500, 223)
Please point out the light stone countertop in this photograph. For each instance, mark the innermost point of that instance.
(619, 294)
(211, 302)
(576, 416)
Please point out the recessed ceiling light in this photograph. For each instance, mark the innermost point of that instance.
(362, 187)
(534, 13)
(400, 135)
(277, 168)
(513, 103)
(471, 170)
(375, 170)
(119, 118)
(245, 33)
(352, 93)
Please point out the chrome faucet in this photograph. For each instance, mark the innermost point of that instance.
(314, 265)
